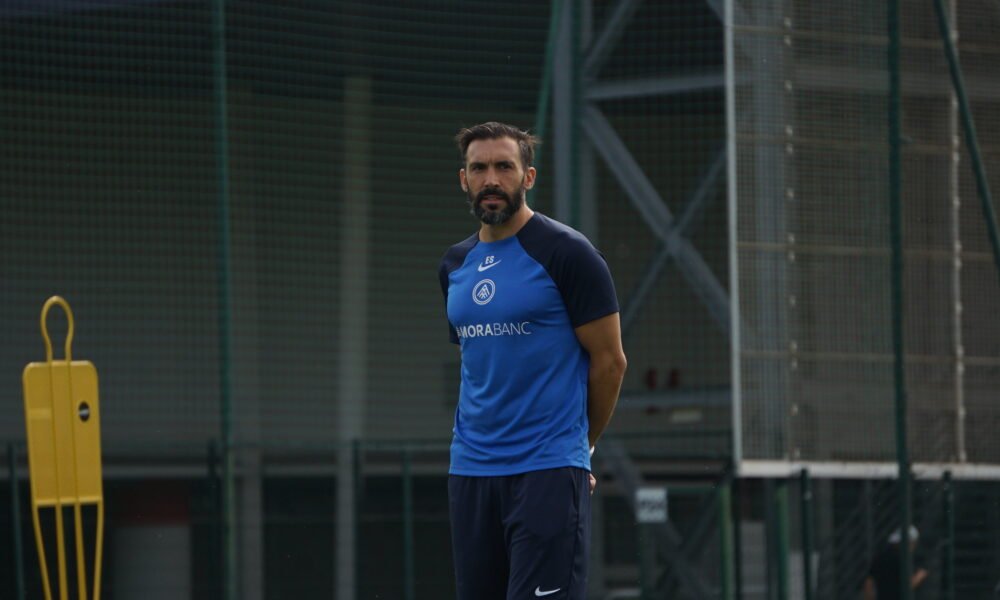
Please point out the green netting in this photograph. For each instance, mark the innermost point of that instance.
(341, 194)
(338, 177)
(811, 118)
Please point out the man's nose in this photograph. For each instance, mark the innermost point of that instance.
(492, 178)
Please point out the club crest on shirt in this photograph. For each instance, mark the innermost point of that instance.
(483, 291)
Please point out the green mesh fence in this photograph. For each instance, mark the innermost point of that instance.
(339, 179)
(671, 273)
(811, 117)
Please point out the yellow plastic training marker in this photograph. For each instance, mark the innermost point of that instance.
(62, 416)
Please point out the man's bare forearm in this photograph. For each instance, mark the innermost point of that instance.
(604, 385)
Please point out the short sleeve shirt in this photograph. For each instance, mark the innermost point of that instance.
(513, 306)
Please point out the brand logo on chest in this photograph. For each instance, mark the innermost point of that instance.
(484, 291)
(489, 263)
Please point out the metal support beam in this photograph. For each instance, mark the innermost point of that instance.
(654, 86)
(614, 454)
(805, 514)
(781, 538)
(651, 207)
(728, 556)
(649, 279)
(352, 367)
(565, 114)
(948, 560)
(693, 208)
(711, 513)
(588, 214)
(609, 36)
(717, 7)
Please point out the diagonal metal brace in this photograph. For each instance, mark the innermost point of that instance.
(692, 210)
(695, 539)
(609, 36)
(654, 211)
(616, 458)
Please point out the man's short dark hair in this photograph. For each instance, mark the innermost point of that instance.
(493, 130)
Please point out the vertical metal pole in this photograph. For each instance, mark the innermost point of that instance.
(545, 89)
(358, 483)
(577, 112)
(954, 193)
(737, 535)
(409, 592)
(895, 209)
(805, 490)
(217, 514)
(647, 554)
(355, 238)
(725, 500)
(586, 204)
(948, 561)
(769, 539)
(969, 128)
(733, 218)
(15, 521)
(866, 493)
(781, 535)
(566, 113)
(224, 301)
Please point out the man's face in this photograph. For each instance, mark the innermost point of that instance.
(495, 180)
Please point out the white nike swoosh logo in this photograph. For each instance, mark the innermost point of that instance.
(489, 266)
(540, 593)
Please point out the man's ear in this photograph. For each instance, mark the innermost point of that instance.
(529, 178)
(462, 181)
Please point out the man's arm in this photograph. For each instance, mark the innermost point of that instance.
(602, 339)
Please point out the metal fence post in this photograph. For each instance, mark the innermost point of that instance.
(737, 535)
(217, 512)
(356, 460)
(805, 491)
(409, 591)
(545, 87)
(15, 521)
(781, 533)
(968, 125)
(725, 501)
(896, 234)
(948, 562)
(224, 299)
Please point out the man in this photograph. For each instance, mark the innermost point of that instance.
(883, 579)
(533, 307)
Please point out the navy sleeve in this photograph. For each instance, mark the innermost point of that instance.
(577, 268)
(581, 273)
(452, 260)
(443, 277)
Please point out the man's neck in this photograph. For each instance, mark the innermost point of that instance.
(495, 233)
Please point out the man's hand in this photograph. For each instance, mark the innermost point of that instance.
(868, 590)
(593, 483)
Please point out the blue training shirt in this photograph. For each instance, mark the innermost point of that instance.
(512, 306)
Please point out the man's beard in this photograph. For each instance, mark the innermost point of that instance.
(496, 217)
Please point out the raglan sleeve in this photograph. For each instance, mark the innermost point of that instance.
(584, 280)
(443, 278)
